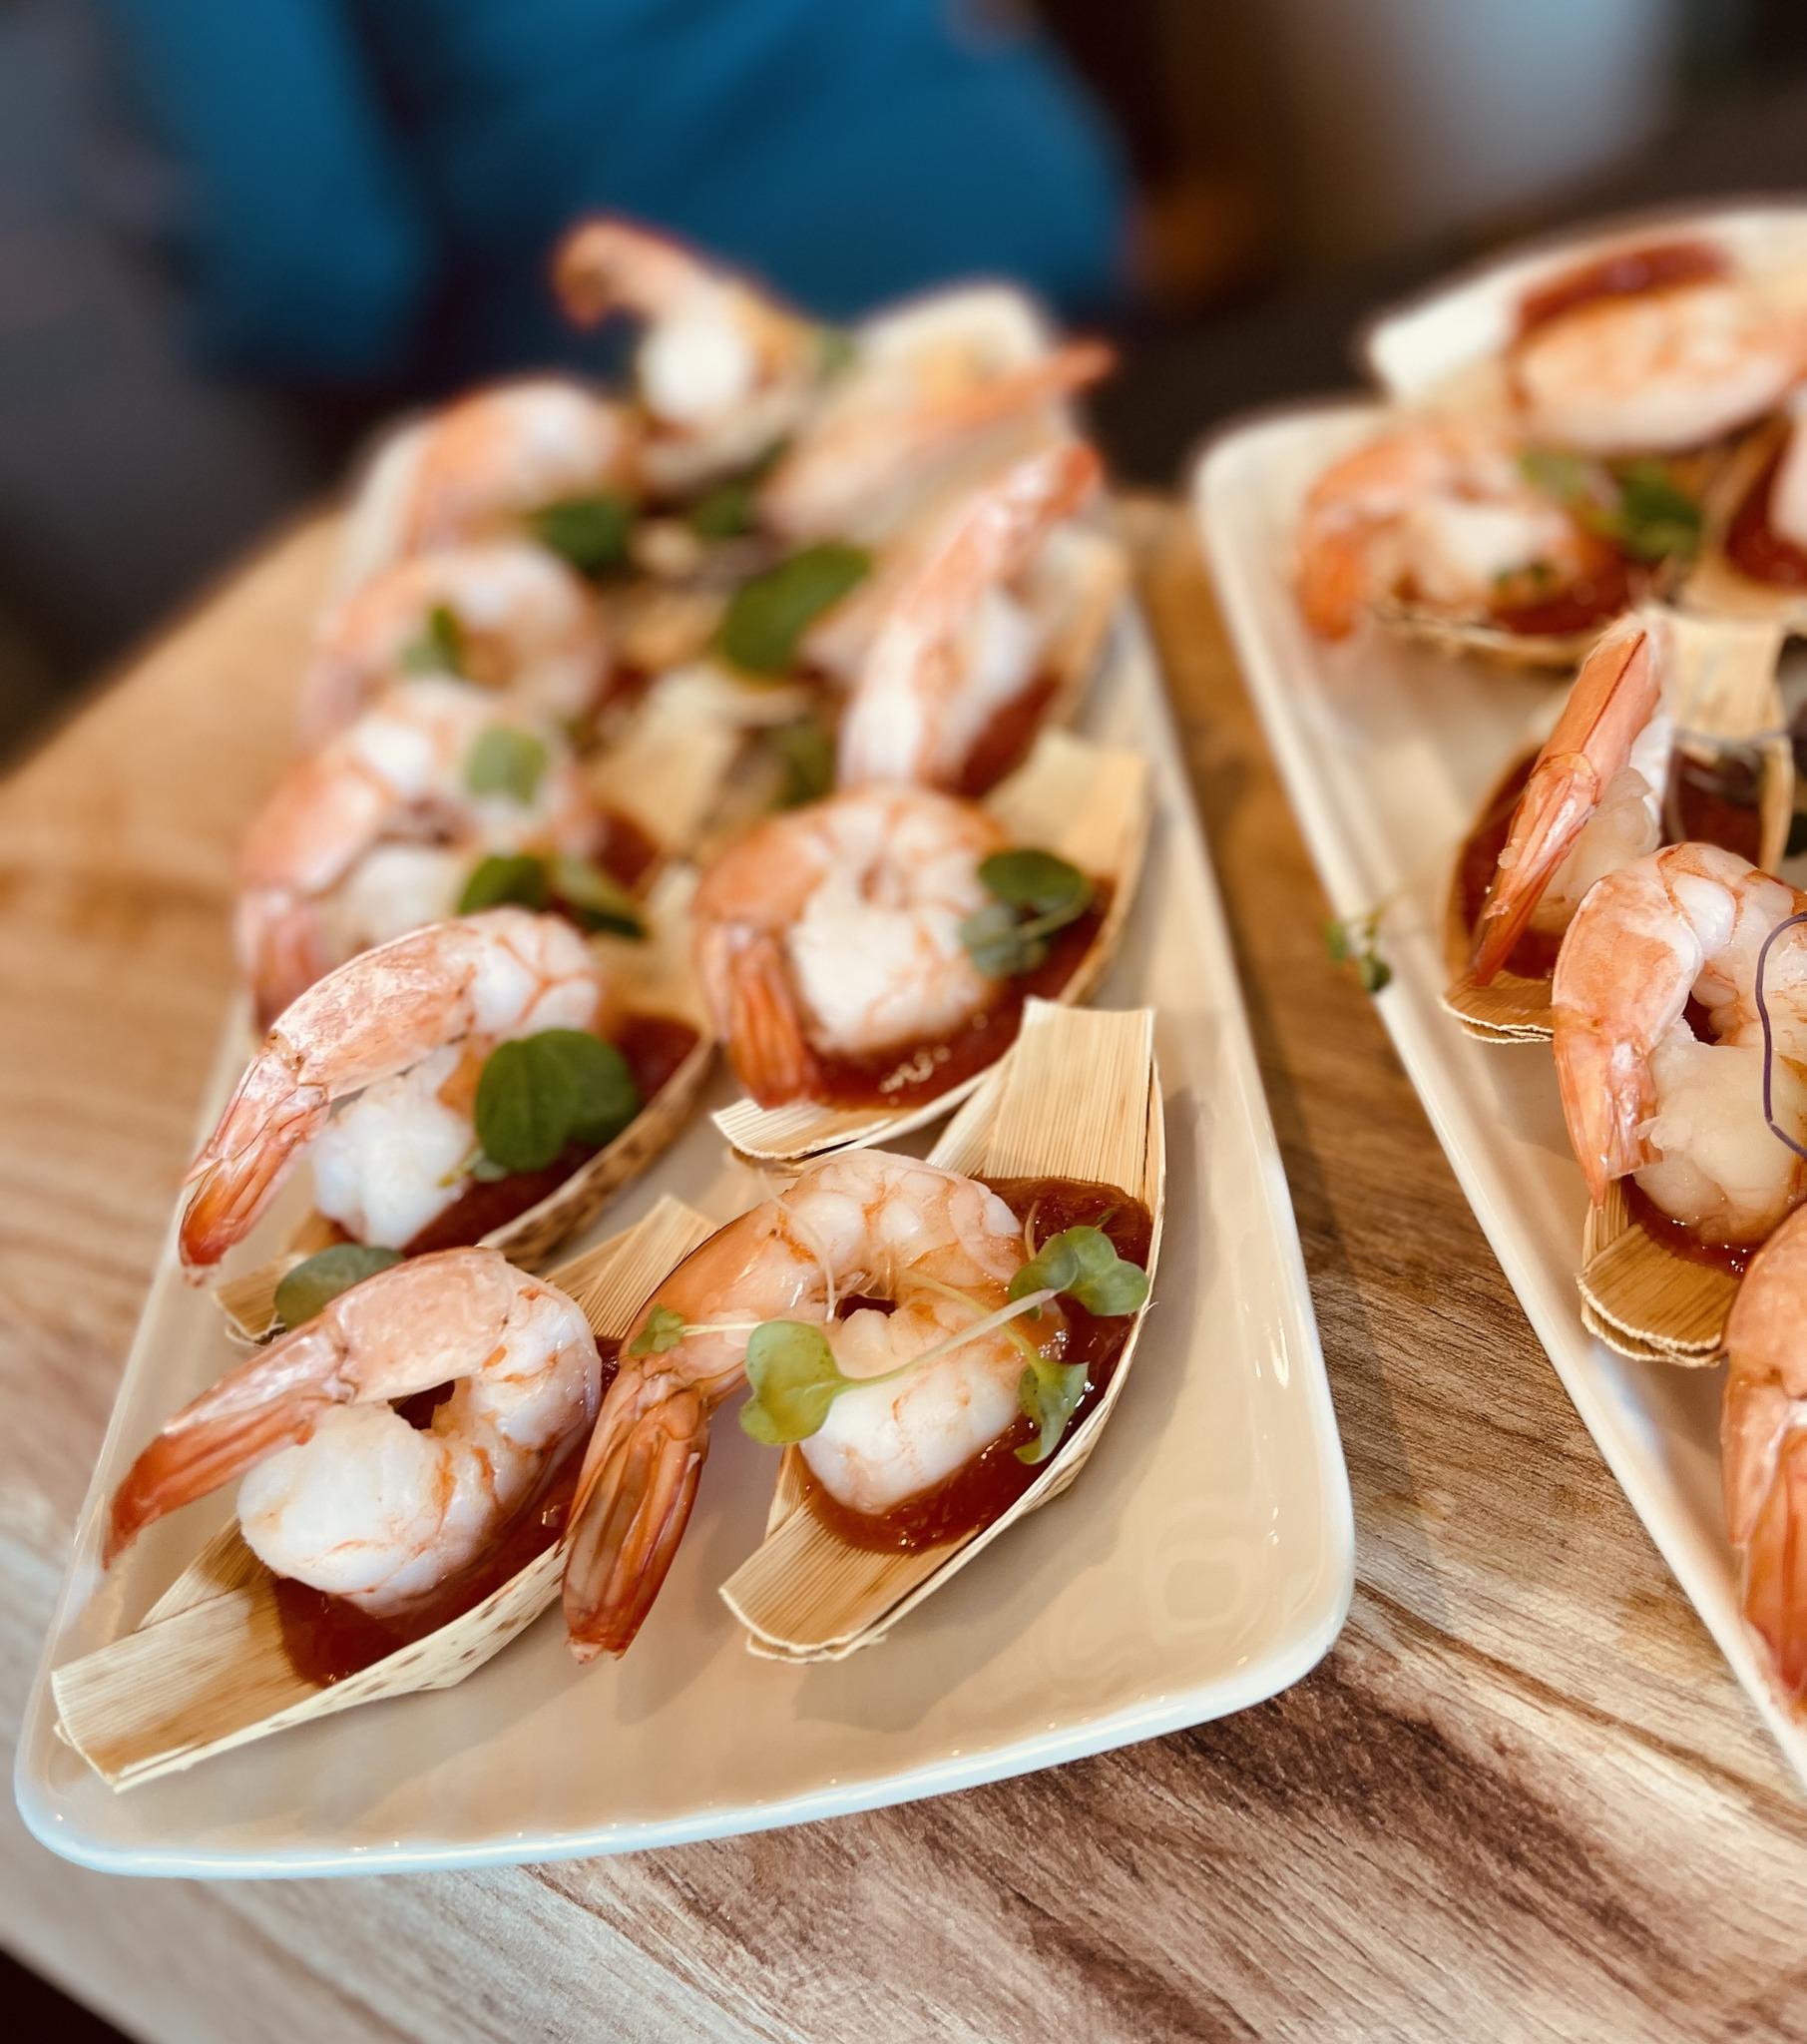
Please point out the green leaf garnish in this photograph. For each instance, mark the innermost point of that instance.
(1797, 835)
(594, 898)
(1355, 941)
(589, 532)
(1049, 1392)
(805, 753)
(440, 648)
(1082, 1265)
(837, 350)
(540, 1093)
(794, 1379)
(1035, 881)
(312, 1287)
(1034, 894)
(663, 1331)
(769, 613)
(1635, 505)
(505, 877)
(728, 510)
(506, 760)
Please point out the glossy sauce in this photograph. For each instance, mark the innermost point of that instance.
(1752, 544)
(1626, 274)
(993, 1481)
(911, 1073)
(327, 1638)
(624, 851)
(1680, 1239)
(653, 1046)
(1005, 743)
(1596, 599)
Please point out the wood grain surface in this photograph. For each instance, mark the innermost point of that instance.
(1522, 1796)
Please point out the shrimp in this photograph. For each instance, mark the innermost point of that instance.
(487, 463)
(859, 1223)
(507, 616)
(1787, 507)
(955, 646)
(338, 1489)
(1436, 513)
(835, 930)
(925, 407)
(1641, 1094)
(1764, 1451)
(376, 833)
(1660, 371)
(723, 371)
(1593, 801)
(399, 1026)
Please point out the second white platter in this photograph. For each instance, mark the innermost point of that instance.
(1387, 750)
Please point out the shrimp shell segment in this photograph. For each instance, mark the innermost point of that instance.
(1077, 1096)
(205, 1669)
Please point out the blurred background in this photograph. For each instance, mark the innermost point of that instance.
(231, 236)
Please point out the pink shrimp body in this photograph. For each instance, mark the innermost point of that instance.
(367, 1029)
(954, 645)
(860, 1223)
(835, 930)
(339, 1490)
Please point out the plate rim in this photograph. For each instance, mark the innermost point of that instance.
(1310, 1636)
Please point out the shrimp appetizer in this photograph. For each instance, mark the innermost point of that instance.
(339, 1490)
(545, 458)
(939, 396)
(1763, 1453)
(956, 680)
(1706, 1115)
(473, 1072)
(722, 372)
(508, 618)
(383, 828)
(864, 951)
(1455, 524)
(1656, 349)
(893, 1318)
(1591, 803)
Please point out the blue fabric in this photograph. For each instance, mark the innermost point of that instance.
(376, 183)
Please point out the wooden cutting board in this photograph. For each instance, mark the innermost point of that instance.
(1522, 1797)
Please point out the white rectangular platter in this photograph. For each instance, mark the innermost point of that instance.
(1387, 750)
(1203, 1562)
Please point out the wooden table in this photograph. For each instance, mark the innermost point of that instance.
(1522, 1797)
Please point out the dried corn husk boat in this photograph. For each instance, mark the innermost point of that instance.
(1727, 697)
(1088, 803)
(206, 1669)
(1079, 1096)
(1717, 586)
(1644, 1300)
(655, 972)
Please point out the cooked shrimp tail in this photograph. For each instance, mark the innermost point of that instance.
(645, 1483)
(1615, 695)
